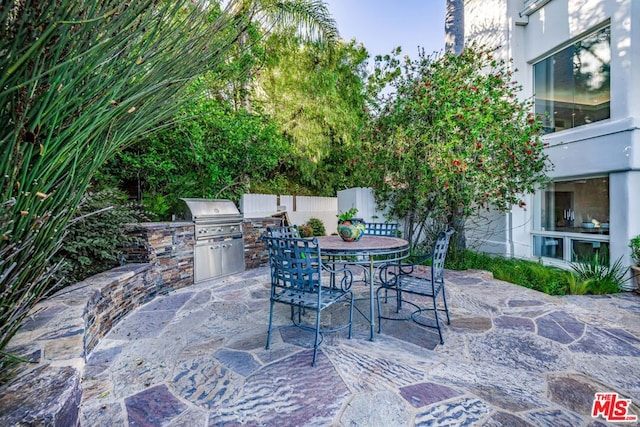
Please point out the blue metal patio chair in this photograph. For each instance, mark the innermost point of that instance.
(296, 280)
(400, 278)
(387, 229)
(384, 229)
(286, 231)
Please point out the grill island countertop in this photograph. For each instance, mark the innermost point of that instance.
(201, 210)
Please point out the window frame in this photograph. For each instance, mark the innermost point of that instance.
(567, 238)
(550, 54)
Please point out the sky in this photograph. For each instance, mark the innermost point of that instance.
(381, 25)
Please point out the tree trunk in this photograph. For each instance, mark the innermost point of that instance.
(459, 239)
(245, 90)
(454, 26)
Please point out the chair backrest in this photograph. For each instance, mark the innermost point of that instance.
(295, 263)
(286, 231)
(389, 229)
(440, 248)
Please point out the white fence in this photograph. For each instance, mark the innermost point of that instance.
(299, 209)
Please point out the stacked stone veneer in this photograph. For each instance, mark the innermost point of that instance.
(255, 251)
(64, 328)
(168, 247)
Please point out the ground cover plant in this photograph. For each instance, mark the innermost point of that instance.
(584, 278)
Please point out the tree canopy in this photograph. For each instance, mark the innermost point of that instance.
(317, 96)
(454, 138)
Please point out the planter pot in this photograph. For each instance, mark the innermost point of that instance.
(635, 274)
(351, 230)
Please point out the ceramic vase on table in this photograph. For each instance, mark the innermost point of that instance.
(351, 230)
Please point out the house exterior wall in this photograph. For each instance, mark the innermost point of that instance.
(608, 147)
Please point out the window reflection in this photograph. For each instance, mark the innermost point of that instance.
(578, 206)
(572, 87)
(548, 247)
(585, 251)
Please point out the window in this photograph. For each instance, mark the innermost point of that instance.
(572, 86)
(571, 222)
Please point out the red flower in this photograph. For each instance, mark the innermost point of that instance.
(456, 162)
(532, 120)
(529, 151)
(479, 146)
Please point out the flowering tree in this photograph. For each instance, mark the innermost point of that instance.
(454, 138)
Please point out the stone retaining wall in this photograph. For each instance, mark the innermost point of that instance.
(57, 337)
(64, 328)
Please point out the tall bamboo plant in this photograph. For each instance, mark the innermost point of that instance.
(79, 80)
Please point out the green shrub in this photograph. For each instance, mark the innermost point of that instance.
(95, 237)
(306, 231)
(317, 227)
(529, 274)
(602, 278)
(634, 244)
(590, 276)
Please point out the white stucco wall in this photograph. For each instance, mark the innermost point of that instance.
(609, 147)
(364, 200)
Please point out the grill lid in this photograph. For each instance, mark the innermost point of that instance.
(211, 209)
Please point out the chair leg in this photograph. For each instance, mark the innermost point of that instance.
(379, 309)
(435, 312)
(398, 300)
(446, 309)
(351, 316)
(315, 344)
(270, 324)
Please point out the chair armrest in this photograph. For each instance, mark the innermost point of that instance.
(389, 273)
(347, 276)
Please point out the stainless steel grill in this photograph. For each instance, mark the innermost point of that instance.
(219, 248)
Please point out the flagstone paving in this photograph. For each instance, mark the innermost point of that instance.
(512, 357)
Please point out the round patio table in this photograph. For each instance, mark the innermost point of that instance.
(370, 252)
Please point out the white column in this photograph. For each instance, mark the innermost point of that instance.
(624, 193)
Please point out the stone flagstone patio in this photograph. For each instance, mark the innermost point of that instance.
(512, 357)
